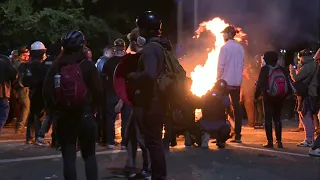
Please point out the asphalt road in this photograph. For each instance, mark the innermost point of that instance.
(247, 161)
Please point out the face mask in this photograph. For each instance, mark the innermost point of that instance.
(141, 41)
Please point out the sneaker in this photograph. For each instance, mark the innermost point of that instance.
(145, 174)
(126, 173)
(305, 144)
(41, 142)
(268, 145)
(205, 140)
(236, 141)
(279, 144)
(314, 152)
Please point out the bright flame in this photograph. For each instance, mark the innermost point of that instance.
(204, 77)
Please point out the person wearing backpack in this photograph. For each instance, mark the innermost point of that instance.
(150, 68)
(306, 82)
(112, 98)
(22, 88)
(273, 86)
(72, 89)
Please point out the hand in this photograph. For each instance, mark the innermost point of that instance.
(119, 106)
(131, 75)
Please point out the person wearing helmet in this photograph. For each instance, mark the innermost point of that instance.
(112, 99)
(119, 47)
(75, 101)
(230, 68)
(214, 119)
(38, 72)
(306, 82)
(152, 59)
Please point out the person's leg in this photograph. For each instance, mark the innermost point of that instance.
(268, 114)
(308, 126)
(235, 98)
(111, 118)
(4, 112)
(30, 128)
(125, 115)
(25, 108)
(249, 107)
(277, 106)
(153, 123)
(87, 140)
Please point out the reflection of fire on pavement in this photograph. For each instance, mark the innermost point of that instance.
(204, 76)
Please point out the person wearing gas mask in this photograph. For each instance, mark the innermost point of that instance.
(305, 82)
(35, 81)
(7, 75)
(21, 89)
(75, 97)
(150, 67)
(134, 129)
(112, 97)
(230, 68)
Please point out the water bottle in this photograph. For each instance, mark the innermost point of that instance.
(57, 79)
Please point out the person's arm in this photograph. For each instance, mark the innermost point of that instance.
(13, 72)
(150, 61)
(95, 85)
(298, 75)
(262, 81)
(221, 62)
(48, 88)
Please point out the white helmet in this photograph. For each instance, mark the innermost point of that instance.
(38, 46)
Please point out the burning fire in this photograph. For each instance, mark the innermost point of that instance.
(204, 77)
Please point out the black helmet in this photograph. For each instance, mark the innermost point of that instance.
(73, 40)
(119, 43)
(306, 52)
(221, 86)
(149, 21)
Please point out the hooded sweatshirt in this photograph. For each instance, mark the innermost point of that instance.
(89, 74)
(309, 68)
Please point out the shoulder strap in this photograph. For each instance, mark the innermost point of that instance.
(167, 60)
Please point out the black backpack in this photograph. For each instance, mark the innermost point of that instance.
(108, 71)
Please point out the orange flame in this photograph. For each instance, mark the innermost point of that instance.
(204, 76)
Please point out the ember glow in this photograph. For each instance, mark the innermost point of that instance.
(204, 76)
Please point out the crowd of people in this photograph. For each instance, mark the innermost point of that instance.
(77, 98)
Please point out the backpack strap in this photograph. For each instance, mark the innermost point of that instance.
(167, 60)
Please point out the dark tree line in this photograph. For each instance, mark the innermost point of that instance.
(102, 21)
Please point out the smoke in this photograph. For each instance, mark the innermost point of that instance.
(270, 25)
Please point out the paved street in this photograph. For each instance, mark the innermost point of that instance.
(247, 161)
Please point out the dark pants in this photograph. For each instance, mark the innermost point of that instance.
(23, 95)
(134, 136)
(102, 120)
(272, 113)
(170, 133)
(234, 95)
(33, 125)
(4, 112)
(73, 126)
(111, 118)
(316, 142)
(153, 123)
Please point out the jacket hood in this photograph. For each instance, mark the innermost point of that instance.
(306, 59)
(163, 41)
(71, 58)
